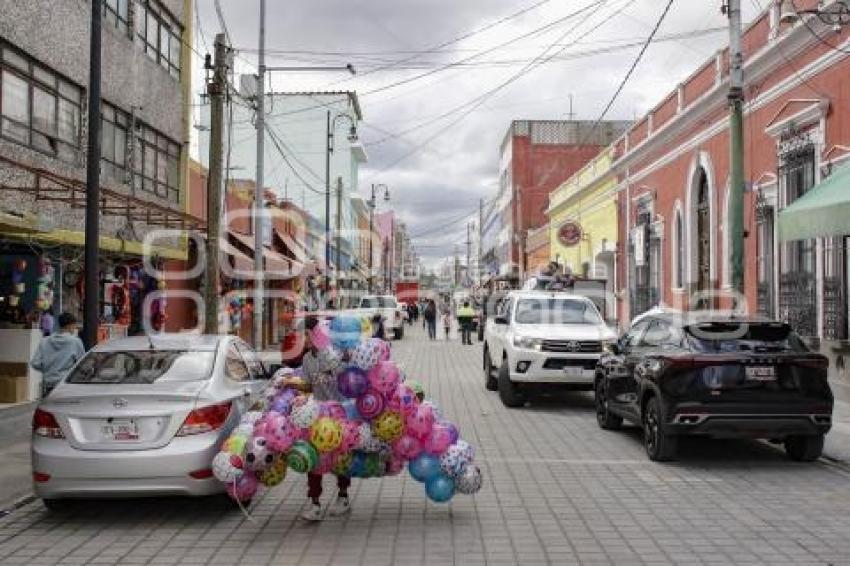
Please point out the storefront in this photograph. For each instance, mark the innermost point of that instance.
(583, 221)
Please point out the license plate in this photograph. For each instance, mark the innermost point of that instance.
(760, 373)
(573, 371)
(120, 430)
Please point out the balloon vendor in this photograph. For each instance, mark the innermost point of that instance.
(320, 367)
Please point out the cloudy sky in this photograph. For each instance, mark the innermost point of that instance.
(440, 80)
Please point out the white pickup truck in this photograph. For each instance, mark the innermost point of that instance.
(541, 339)
(385, 305)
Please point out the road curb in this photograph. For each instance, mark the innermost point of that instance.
(21, 502)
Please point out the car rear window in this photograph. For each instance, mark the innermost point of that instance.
(743, 337)
(143, 367)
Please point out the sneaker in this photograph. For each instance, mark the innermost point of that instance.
(313, 512)
(341, 506)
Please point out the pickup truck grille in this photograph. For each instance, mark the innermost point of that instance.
(572, 346)
(561, 363)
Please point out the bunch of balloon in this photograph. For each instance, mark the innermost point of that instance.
(381, 424)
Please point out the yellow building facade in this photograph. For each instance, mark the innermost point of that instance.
(583, 220)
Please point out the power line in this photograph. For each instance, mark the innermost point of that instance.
(469, 107)
(457, 39)
(631, 70)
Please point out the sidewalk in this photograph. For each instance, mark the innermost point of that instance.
(15, 427)
(838, 440)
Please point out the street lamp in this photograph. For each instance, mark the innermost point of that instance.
(836, 14)
(372, 205)
(352, 137)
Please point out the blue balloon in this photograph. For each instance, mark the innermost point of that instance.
(358, 465)
(281, 405)
(345, 332)
(424, 467)
(351, 412)
(440, 489)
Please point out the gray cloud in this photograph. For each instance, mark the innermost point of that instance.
(460, 164)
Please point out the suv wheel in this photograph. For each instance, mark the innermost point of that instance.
(398, 333)
(804, 448)
(660, 446)
(605, 418)
(508, 391)
(490, 382)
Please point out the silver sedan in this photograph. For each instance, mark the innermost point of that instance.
(143, 416)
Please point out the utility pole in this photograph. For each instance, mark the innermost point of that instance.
(338, 238)
(259, 188)
(372, 204)
(468, 250)
(736, 144)
(480, 271)
(216, 90)
(328, 141)
(91, 298)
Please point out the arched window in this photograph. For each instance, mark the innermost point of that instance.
(703, 232)
(678, 251)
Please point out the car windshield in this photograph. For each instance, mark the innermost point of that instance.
(143, 367)
(556, 311)
(378, 302)
(740, 337)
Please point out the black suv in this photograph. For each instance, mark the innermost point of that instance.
(724, 377)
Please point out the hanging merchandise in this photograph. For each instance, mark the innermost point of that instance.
(382, 424)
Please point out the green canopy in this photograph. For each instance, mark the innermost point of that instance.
(822, 212)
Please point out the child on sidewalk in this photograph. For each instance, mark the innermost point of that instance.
(447, 322)
(320, 369)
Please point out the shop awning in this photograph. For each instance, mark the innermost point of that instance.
(241, 262)
(823, 211)
(274, 262)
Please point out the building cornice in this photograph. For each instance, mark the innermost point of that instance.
(772, 56)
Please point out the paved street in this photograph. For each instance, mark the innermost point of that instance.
(558, 490)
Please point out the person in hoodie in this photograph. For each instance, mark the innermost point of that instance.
(57, 353)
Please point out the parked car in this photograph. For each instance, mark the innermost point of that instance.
(677, 375)
(542, 340)
(143, 416)
(387, 306)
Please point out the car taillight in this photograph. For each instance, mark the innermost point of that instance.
(44, 424)
(202, 474)
(813, 363)
(40, 477)
(205, 419)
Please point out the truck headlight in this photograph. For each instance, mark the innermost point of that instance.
(528, 343)
(606, 344)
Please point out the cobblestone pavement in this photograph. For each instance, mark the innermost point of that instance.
(558, 491)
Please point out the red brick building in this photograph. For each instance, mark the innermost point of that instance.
(673, 168)
(536, 156)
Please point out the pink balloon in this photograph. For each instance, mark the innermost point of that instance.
(243, 488)
(281, 433)
(350, 436)
(402, 399)
(440, 439)
(384, 377)
(395, 466)
(321, 337)
(421, 422)
(407, 447)
(370, 404)
(383, 348)
(332, 409)
(326, 463)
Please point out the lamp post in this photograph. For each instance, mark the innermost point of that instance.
(352, 137)
(836, 14)
(372, 205)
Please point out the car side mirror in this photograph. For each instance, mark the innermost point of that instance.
(501, 320)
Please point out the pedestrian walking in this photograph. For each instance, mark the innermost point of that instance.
(58, 353)
(431, 319)
(465, 315)
(447, 321)
(378, 329)
(320, 369)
